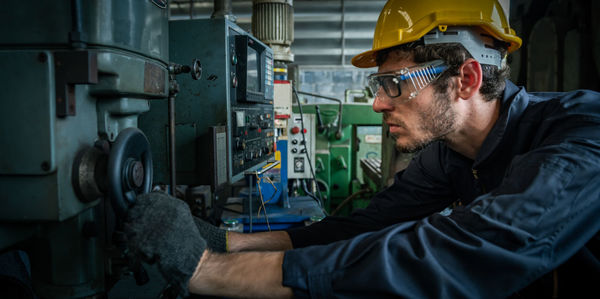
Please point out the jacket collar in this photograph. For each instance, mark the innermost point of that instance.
(514, 101)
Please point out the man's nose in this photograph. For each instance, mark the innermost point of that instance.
(381, 103)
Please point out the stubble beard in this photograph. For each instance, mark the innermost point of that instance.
(436, 122)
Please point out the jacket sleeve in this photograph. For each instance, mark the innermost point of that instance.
(420, 190)
(545, 209)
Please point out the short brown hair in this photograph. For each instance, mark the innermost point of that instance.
(453, 54)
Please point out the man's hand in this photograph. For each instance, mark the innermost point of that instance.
(161, 229)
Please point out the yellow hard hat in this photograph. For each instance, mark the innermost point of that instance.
(404, 21)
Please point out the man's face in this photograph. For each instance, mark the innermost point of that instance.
(417, 122)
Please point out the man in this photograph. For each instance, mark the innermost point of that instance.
(520, 170)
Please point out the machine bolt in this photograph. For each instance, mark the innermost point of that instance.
(136, 176)
(45, 166)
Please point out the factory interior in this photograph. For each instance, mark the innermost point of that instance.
(250, 112)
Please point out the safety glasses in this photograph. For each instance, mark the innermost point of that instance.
(411, 79)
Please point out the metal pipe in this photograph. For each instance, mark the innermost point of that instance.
(223, 9)
(250, 204)
(349, 92)
(172, 160)
(76, 35)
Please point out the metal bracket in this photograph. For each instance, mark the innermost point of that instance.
(72, 67)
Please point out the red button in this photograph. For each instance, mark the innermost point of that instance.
(304, 131)
(295, 130)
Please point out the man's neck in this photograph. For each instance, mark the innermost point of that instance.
(479, 116)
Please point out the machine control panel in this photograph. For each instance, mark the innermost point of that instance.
(252, 136)
(300, 146)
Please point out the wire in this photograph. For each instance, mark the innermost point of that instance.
(349, 199)
(262, 202)
(272, 184)
(312, 172)
(305, 188)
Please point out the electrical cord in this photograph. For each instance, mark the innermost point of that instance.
(262, 202)
(349, 199)
(312, 172)
(305, 188)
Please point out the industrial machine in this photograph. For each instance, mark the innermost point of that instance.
(72, 158)
(348, 135)
(224, 120)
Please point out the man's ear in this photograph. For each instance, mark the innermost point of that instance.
(469, 79)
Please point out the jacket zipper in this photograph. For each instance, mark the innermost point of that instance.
(477, 181)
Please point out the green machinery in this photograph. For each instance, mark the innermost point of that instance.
(76, 76)
(341, 150)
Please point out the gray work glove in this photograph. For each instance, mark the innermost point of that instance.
(216, 238)
(161, 229)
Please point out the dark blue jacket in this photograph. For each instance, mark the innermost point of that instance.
(528, 203)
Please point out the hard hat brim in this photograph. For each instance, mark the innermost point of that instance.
(366, 59)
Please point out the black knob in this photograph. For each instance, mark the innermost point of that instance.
(294, 151)
(294, 141)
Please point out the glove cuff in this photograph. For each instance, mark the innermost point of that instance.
(216, 238)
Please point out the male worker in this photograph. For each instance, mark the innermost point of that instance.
(521, 171)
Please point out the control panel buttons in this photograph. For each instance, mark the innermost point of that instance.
(294, 151)
(295, 130)
(249, 155)
(294, 141)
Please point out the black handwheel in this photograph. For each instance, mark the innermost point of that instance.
(129, 169)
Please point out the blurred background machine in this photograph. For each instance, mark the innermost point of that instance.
(72, 158)
(348, 140)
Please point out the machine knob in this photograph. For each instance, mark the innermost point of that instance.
(303, 150)
(295, 130)
(234, 81)
(294, 151)
(294, 141)
(240, 144)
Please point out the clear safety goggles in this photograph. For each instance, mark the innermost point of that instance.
(411, 79)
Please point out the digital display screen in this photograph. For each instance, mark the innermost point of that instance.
(252, 78)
